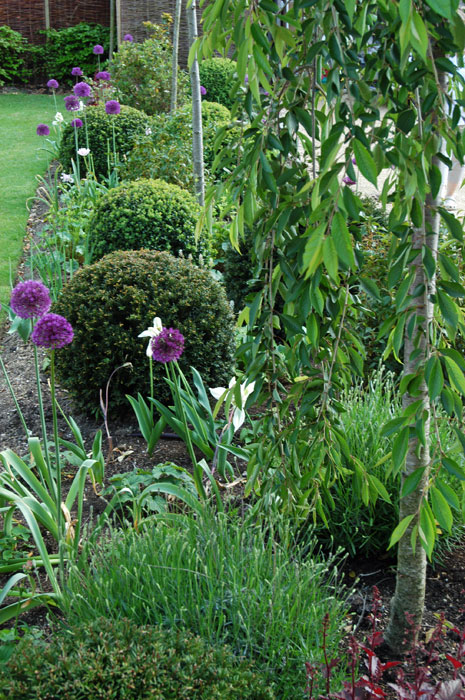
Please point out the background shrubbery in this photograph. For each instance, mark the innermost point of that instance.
(166, 153)
(111, 301)
(13, 53)
(141, 72)
(72, 46)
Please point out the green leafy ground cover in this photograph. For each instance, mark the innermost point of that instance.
(20, 161)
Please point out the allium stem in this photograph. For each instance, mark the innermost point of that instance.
(42, 419)
(55, 440)
(151, 388)
(78, 168)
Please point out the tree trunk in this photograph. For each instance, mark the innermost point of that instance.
(407, 604)
(174, 75)
(197, 133)
(112, 29)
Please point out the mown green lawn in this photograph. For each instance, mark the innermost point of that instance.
(20, 162)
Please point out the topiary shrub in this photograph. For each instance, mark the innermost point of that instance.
(105, 659)
(141, 72)
(111, 301)
(146, 214)
(216, 76)
(166, 153)
(128, 124)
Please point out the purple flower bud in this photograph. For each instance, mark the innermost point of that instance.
(354, 161)
(128, 37)
(76, 71)
(52, 331)
(52, 84)
(71, 103)
(98, 50)
(77, 123)
(82, 90)
(102, 75)
(203, 91)
(42, 130)
(30, 299)
(112, 107)
(348, 180)
(168, 345)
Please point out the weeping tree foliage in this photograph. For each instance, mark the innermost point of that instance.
(384, 104)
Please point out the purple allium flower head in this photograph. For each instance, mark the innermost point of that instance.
(77, 123)
(168, 345)
(76, 71)
(71, 103)
(52, 84)
(348, 180)
(203, 90)
(52, 331)
(42, 130)
(128, 37)
(30, 299)
(103, 75)
(98, 49)
(82, 90)
(112, 107)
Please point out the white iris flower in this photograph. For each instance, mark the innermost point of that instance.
(152, 332)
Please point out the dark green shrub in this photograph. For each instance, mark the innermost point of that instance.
(105, 659)
(166, 153)
(141, 72)
(72, 46)
(129, 123)
(13, 48)
(216, 76)
(238, 270)
(146, 214)
(110, 302)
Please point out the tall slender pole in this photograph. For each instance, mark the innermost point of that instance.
(118, 23)
(112, 29)
(197, 133)
(47, 14)
(174, 76)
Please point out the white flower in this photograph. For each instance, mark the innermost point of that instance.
(239, 413)
(59, 117)
(81, 105)
(67, 178)
(148, 131)
(152, 332)
(83, 151)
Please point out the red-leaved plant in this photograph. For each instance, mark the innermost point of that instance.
(411, 684)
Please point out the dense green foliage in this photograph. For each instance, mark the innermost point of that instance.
(97, 135)
(13, 48)
(111, 301)
(227, 581)
(146, 214)
(119, 659)
(166, 153)
(216, 76)
(141, 72)
(72, 46)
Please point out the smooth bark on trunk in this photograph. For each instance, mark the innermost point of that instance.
(174, 69)
(407, 604)
(197, 132)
